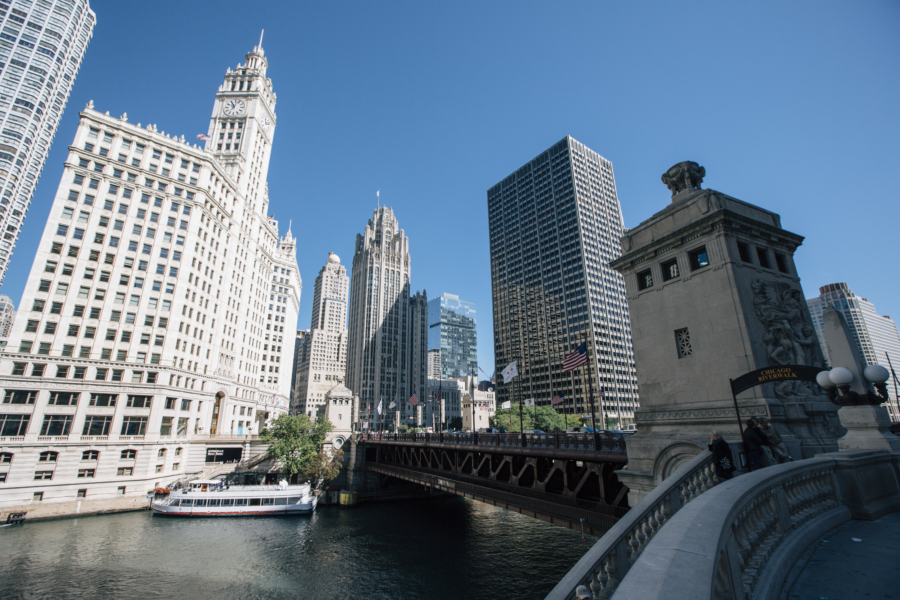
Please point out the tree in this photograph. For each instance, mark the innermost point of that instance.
(402, 428)
(296, 442)
(455, 423)
(543, 417)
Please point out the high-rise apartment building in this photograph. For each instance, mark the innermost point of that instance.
(324, 359)
(155, 310)
(434, 363)
(555, 225)
(41, 47)
(387, 341)
(451, 329)
(875, 335)
(7, 316)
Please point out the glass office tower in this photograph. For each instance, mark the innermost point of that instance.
(555, 225)
(451, 329)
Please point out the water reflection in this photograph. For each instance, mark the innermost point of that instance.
(437, 548)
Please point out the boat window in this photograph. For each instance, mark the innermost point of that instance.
(212, 502)
(280, 501)
(268, 501)
(294, 500)
(187, 502)
(255, 501)
(175, 503)
(200, 502)
(227, 502)
(240, 502)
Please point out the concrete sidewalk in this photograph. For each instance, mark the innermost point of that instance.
(839, 568)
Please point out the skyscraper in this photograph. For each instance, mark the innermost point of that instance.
(451, 329)
(324, 360)
(555, 225)
(875, 335)
(42, 46)
(154, 312)
(387, 337)
(7, 316)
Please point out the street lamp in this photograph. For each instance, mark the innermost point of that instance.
(836, 383)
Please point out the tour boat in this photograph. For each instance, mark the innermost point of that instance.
(215, 498)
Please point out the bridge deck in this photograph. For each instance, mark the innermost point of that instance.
(607, 447)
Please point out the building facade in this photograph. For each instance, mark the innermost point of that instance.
(153, 318)
(451, 329)
(555, 225)
(324, 359)
(434, 363)
(387, 335)
(42, 46)
(446, 397)
(875, 335)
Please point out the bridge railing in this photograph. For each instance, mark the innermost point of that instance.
(609, 560)
(606, 441)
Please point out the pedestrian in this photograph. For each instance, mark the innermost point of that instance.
(722, 456)
(755, 441)
(779, 449)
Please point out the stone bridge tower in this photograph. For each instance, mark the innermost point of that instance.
(713, 293)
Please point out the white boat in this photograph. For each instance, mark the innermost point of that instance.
(214, 498)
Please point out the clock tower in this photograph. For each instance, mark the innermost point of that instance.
(242, 127)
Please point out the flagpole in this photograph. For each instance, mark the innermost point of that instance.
(591, 391)
(521, 419)
(894, 375)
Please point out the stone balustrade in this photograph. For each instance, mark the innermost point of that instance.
(741, 539)
(611, 558)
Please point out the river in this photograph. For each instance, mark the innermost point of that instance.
(443, 547)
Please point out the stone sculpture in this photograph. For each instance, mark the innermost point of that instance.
(686, 175)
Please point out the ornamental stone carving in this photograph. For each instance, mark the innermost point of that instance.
(788, 338)
(684, 176)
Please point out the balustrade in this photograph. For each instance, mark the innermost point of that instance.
(606, 442)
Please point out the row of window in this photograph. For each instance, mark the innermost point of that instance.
(106, 400)
(51, 456)
(697, 259)
(61, 425)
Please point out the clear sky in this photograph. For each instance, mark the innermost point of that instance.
(789, 105)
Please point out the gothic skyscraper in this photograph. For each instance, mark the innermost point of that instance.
(42, 46)
(387, 347)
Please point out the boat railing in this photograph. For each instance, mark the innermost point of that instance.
(249, 488)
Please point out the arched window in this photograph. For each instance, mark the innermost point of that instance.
(48, 457)
(161, 453)
(129, 454)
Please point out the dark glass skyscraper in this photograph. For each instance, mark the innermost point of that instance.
(451, 329)
(555, 224)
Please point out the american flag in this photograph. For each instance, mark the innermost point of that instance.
(558, 399)
(203, 137)
(437, 397)
(601, 393)
(483, 407)
(414, 400)
(576, 358)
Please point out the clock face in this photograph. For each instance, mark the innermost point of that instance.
(266, 123)
(234, 108)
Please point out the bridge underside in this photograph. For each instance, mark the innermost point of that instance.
(564, 491)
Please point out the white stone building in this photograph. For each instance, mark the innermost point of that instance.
(324, 359)
(434, 363)
(41, 47)
(151, 337)
(453, 395)
(387, 344)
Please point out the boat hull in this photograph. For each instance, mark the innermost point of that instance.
(177, 511)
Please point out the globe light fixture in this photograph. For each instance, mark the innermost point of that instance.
(836, 383)
(840, 376)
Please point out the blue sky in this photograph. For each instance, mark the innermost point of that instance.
(789, 105)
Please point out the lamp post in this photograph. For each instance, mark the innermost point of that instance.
(861, 413)
(836, 383)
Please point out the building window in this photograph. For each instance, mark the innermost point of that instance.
(56, 425)
(744, 252)
(81, 494)
(133, 425)
(120, 491)
(85, 473)
(5, 458)
(48, 457)
(42, 475)
(90, 455)
(763, 256)
(645, 280)
(683, 342)
(38, 496)
(669, 270)
(96, 425)
(698, 258)
(781, 262)
(128, 454)
(20, 396)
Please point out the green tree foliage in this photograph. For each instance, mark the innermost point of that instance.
(296, 442)
(543, 417)
(455, 423)
(403, 428)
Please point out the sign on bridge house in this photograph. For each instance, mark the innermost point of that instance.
(773, 374)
